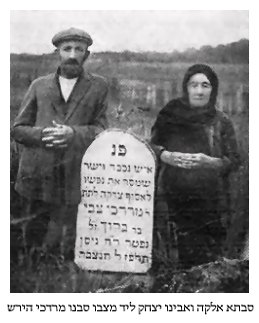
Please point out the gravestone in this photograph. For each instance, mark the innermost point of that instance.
(115, 216)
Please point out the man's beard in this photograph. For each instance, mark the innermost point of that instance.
(70, 68)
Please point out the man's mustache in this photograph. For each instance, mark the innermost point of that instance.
(71, 61)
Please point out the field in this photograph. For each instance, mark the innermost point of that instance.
(138, 91)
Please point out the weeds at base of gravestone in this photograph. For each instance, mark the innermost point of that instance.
(51, 275)
(221, 276)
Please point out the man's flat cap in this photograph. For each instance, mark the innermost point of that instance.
(72, 34)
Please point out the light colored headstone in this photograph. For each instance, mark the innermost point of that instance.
(115, 216)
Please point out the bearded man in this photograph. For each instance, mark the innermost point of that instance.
(60, 116)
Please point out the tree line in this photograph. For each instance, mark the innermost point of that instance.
(232, 53)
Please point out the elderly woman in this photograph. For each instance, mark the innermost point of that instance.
(197, 148)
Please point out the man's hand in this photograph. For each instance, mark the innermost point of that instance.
(191, 161)
(58, 136)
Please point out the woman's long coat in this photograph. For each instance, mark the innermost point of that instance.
(51, 175)
(193, 205)
(214, 136)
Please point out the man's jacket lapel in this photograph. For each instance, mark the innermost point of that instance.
(79, 91)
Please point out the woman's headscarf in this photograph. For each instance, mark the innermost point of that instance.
(178, 111)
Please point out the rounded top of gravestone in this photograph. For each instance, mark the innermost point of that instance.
(120, 138)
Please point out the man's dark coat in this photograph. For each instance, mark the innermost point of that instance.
(51, 175)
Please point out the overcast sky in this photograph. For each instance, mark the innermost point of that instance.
(165, 31)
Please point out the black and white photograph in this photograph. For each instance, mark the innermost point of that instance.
(129, 140)
(132, 162)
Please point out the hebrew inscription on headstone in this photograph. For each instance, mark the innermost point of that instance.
(115, 216)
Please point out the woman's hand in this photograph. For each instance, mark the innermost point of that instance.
(191, 161)
(175, 159)
(201, 160)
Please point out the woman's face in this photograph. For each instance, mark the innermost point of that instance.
(199, 90)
